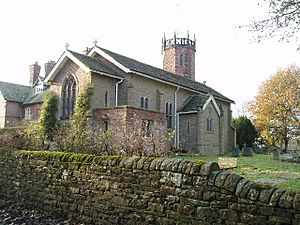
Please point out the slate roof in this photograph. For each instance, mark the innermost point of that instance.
(36, 97)
(155, 72)
(194, 103)
(95, 64)
(14, 92)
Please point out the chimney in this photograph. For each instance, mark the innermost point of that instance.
(48, 67)
(34, 71)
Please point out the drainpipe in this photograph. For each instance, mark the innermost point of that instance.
(117, 90)
(176, 120)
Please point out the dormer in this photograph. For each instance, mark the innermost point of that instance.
(38, 85)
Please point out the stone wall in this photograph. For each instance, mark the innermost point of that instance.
(115, 190)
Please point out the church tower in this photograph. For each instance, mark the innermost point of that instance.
(179, 56)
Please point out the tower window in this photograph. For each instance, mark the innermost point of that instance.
(186, 59)
(68, 97)
(181, 60)
(169, 114)
(144, 103)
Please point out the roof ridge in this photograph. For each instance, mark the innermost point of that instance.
(165, 71)
(161, 74)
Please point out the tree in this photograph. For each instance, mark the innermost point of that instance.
(283, 19)
(80, 132)
(43, 130)
(275, 109)
(245, 131)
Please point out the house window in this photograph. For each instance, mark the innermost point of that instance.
(169, 114)
(209, 124)
(188, 126)
(28, 113)
(68, 97)
(144, 103)
(106, 99)
(146, 127)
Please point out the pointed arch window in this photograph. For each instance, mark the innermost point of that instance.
(68, 97)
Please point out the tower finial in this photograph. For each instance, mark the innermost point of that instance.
(95, 42)
(188, 34)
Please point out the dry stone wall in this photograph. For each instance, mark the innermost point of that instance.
(120, 190)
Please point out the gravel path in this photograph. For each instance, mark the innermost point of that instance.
(14, 214)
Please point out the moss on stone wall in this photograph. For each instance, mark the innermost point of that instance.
(141, 190)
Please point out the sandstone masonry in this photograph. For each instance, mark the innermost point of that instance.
(116, 190)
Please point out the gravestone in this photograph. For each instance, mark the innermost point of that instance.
(247, 151)
(235, 152)
(275, 154)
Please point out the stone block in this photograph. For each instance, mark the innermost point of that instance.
(253, 219)
(286, 199)
(265, 195)
(231, 182)
(195, 169)
(243, 188)
(220, 179)
(266, 210)
(155, 207)
(187, 167)
(279, 220)
(207, 213)
(274, 200)
(208, 168)
(296, 202)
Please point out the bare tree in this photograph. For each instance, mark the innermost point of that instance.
(282, 21)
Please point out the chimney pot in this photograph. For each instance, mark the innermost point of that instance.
(49, 66)
(34, 72)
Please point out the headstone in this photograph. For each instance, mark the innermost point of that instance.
(247, 151)
(275, 154)
(235, 152)
(227, 162)
(288, 156)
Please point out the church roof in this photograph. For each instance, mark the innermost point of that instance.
(194, 103)
(14, 92)
(95, 64)
(161, 74)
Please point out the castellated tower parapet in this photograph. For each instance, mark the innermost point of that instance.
(179, 56)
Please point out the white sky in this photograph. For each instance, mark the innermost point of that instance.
(35, 30)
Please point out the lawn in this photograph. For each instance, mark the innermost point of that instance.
(262, 168)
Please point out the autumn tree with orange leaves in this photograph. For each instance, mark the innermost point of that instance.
(275, 110)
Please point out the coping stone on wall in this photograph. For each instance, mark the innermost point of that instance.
(208, 168)
(296, 202)
(231, 182)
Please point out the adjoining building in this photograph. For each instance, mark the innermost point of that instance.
(130, 95)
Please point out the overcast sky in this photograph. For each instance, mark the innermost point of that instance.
(35, 30)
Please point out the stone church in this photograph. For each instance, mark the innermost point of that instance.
(130, 95)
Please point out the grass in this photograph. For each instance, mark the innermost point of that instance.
(264, 168)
